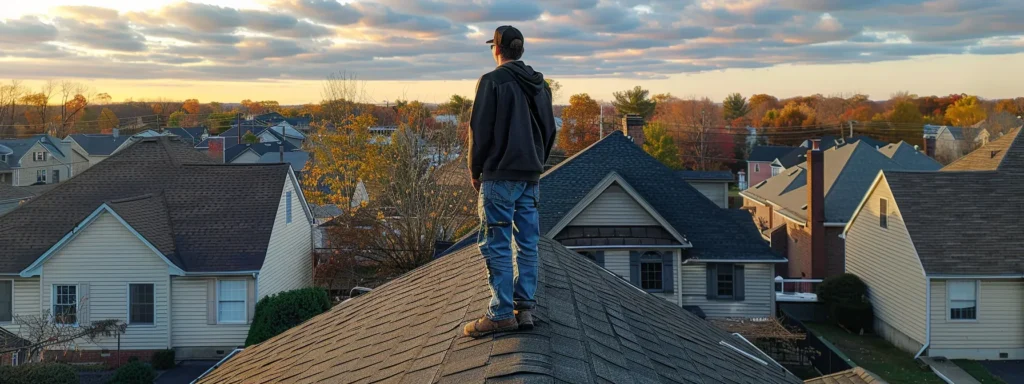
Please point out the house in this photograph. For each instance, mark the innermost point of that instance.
(941, 257)
(160, 237)
(98, 147)
(618, 206)
(592, 327)
(251, 153)
(713, 184)
(951, 143)
(759, 163)
(193, 135)
(39, 159)
(11, 197)
(297, 159)
(802, 211)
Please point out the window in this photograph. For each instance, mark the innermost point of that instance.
(288, 207)
(231, 301)
(963, 299)
(39, 156)
(141, 306)
(6, 301)
(650, 271)
(883, 213)
(41, 176)
(757, 167)
(3, 158)
(776, 170)
(588, 254)
(725, 281)
(65, 304)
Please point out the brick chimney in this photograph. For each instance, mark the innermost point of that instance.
(216, 148)
(929, 146)
(816, 209)
(633, 126)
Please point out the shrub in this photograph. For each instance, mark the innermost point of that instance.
(845, 298)
(163, 359)
(55, 373)
(280, 312)
(135, 372)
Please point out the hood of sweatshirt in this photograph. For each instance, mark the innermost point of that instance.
(532, 82)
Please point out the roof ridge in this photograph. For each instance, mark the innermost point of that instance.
(573, 157)
(131, 199)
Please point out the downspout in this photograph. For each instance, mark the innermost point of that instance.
(927, 317)
(256, 286)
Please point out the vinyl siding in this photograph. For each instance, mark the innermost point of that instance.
(999, 327)
(107, 256)
(617, 261)
(758, 291)
(288, 264)
(25, 175)
(716, 191)
(887, 262)
(247, 157)
(614, 207)
(189, 327)
(26, 299)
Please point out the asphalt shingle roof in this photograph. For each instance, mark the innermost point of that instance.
(769, 152)
(856, 375)
(220, 216)
(706, 175)
(99, 145)
(259, 148)
(986, 158)
(297, 159)
(962, 222)
(193, 135)
(709, 228)
(592, 327)
(19, 147)
(849, 171)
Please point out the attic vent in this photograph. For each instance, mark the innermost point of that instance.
(742, 352)
(804, 207)
(760, 184)
(794, 172)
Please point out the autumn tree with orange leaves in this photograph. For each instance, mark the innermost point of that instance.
(580, 124)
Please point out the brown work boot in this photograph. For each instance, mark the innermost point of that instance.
(484, 326)
(525, 319)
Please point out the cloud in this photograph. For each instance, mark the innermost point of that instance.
(443, 39)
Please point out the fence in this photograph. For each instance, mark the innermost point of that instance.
(826, 358)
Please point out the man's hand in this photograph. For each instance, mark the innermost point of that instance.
(476, 185)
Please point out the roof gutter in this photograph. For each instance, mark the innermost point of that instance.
(232, 273)
(219, 363)
(638, 246)
(975, 277)
(755, 199)
(751, 261)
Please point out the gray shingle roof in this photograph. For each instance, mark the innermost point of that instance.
(963, 222)
(193, 135)
(99, 145)
(856, 375)
(769, 152)
(706, 175)
(259, 148)
(709, 228)
(988, 157)
(849, 171)
(219, 216)
(297, 159)
(592, 327)
(908, 156)
(19, 147)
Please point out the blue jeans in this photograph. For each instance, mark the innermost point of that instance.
(509, 209)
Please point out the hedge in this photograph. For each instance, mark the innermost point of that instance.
(845, 296)
(278, 313)
(32, 373)
(164, 359)
(135, 372)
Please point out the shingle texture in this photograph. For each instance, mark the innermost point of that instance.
(622, 235)
(961, 221)
(205, 217)
(259, 149)
(768, 152)
(592, 327)
(710, 229)
(856, 375)
(706, 175)
(849, 171)
(99, 145)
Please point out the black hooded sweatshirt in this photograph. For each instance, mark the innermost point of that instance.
(513, 127)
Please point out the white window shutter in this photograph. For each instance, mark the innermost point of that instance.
(83, 304)
(250, 300)
(211, 301)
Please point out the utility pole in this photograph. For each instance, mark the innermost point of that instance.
(600, 121)
(851, 129)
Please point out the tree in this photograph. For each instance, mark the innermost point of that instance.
(9, 97)
(175, 119)
(250, 138)
(1007, 106)
(459, 106)
(859, 113)
(580, 125)
(191, 106)
(634, 101)
(965, 112)
(735, 106)
(905, 112)
(556, 88)
(697, 124)
(107, 121)
(73, 103)
(38, 105)
(760, 104)
(660, 145)
(789, 122)
(216, 107)
(39, 333)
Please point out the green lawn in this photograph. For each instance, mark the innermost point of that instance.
(979, 372)
(876, 355)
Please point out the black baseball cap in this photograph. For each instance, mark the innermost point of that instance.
(504, 35)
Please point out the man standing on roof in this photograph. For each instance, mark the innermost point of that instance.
(512, 130)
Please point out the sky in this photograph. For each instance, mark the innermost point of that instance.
(229, 50)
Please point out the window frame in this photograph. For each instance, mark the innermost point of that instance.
(648, 257)
(41, 172)
(776, 170)
(977, 301)
(757, 167)
(883, 213)
(39, 156)
(128, 305)
(11, 321)
(245, 302)
(53, 302)
(731, 271)
(55, 176)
